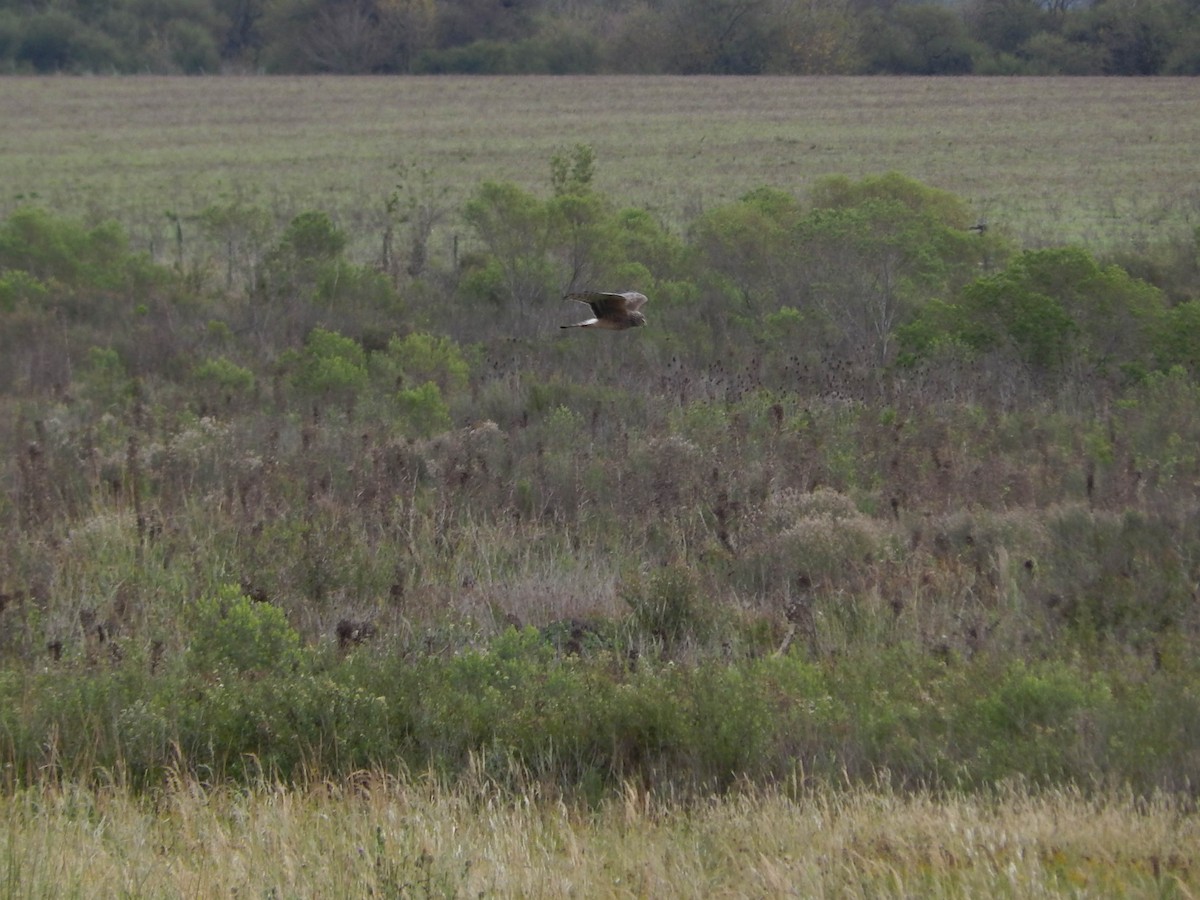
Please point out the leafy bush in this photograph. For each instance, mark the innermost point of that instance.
(423, 410)
(232, 633)
(330, 365)
(60, 253)
(220, 379)
(1050, 306)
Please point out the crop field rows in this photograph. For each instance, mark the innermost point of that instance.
(1103, 161)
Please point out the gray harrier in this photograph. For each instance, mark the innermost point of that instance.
(615, 312)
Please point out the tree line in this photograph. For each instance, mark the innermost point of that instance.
(991, 37)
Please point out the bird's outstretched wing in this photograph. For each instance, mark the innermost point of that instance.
(633, 300)
(604, 304)
(611, 310)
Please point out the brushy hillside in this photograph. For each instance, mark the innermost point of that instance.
(875, 495)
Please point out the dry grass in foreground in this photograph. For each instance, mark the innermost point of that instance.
(389, 838)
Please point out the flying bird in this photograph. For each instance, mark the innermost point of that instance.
(614, 311)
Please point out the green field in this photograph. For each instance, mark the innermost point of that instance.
(1050, 160)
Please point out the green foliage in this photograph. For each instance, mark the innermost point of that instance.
(423, 410)
(1177, 341)
(249, 703)
(239, 235)
(750, 243)
(223, 375)
(305, 276)
(918, 39)
(220, 380)
(536, 249)
(419, 358)
(514, 228)
(53, 40)
(312, 237)
(330, 364)
(341, 284)
(1050, 306)
(20, 288)
(60, 252)
(929, 203)
(419, 372)
(233, 634)
(858, 264)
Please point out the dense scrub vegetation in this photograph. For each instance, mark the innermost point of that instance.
(1105, 37)
(874, 492)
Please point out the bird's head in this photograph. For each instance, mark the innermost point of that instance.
(636, 319)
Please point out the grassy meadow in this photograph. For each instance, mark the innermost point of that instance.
(1050, 160)
(331, 566)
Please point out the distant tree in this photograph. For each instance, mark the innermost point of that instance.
(418, 359)
(242, 37)
(1136, 37)
(1177, 339)
(347, 36)
(462, 22)
(1184, 57)
(56, 41)
(877, 250)
(858, 262)
(239, 235)
(1005, 26)
(514, 229)
(1049, 53)
(535, 250)
(720, 37)
(750, 246)
(813, 38)
(305, 281)
(918, 39)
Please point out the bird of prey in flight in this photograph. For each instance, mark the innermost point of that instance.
(614, 311)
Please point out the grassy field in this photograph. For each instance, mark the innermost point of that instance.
(381, 837)
(1103, 161)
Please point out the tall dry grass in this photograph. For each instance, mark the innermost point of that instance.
(382, 836)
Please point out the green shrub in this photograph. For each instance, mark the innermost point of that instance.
(220, 380)
(331, 365)
(61, 253)
(232, 633)
(423, 410)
